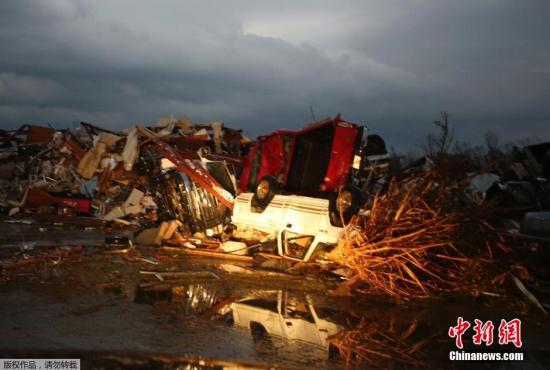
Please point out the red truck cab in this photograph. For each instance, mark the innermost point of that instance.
(319, 160)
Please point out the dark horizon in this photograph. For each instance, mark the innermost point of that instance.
(394, 66)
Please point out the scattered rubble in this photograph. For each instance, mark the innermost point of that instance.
(95, 177)
(318, 206)
(322, 199)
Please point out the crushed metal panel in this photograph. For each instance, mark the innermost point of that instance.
(197, 173)
(192, 204)
(191, 168)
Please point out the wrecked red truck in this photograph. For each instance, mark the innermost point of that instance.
(332, 159)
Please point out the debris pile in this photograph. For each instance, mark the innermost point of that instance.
(176, 172)
(319, 196)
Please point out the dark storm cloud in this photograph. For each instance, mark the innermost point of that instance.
(260, 66)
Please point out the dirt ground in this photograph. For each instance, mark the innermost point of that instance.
(64, 295)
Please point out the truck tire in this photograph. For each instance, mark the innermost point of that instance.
(345, 203)
(260, 337)
(265, 191)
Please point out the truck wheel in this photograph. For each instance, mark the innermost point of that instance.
(375, 145)
(261, 338)
(346, 203)
(265, 191)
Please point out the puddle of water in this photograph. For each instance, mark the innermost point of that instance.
(300, 329)
(235, 319)
(104, 303)
(277, 324)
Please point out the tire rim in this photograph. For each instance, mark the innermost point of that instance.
(344, 201)
(263, 189)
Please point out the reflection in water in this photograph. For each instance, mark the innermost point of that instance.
(287, 316)
(283, 324)
(193, 299)
(167, 363)
(196, 298)
(380, 343)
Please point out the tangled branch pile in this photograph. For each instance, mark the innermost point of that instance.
(420, 239)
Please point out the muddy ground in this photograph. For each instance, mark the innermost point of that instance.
(63, 294)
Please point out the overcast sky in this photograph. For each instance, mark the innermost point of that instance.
(260, 65)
